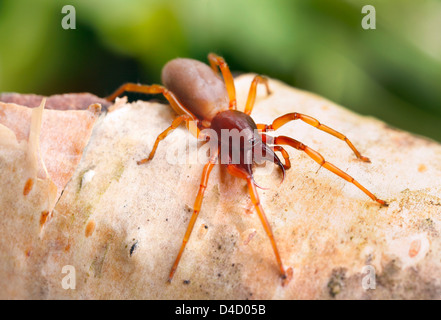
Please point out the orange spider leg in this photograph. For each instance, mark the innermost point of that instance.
(153, 89)
(191, 121)
(280, 121)
(261, 213)
(217, 61)
(252, 93)
(197, 207)
(285, 155)
(317, 157)
(164, 134)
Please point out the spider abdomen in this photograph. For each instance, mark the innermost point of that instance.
(196, 86)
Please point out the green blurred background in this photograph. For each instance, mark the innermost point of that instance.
(393, 72)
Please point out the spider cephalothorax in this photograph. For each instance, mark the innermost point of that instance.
(239, 142)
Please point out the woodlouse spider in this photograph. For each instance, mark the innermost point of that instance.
(199, 95)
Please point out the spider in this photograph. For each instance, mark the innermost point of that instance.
(199, 96)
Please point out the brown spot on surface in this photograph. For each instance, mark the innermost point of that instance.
(336, 281)
(289, 274)
(94, 108)
(249, 209)
(203, 231)
(422, 168)
(415, 247)
(90, 228)
(43, 218)
(28, 186)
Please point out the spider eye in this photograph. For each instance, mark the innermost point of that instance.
(253, 142)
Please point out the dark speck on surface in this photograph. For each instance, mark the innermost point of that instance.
(133, 248)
